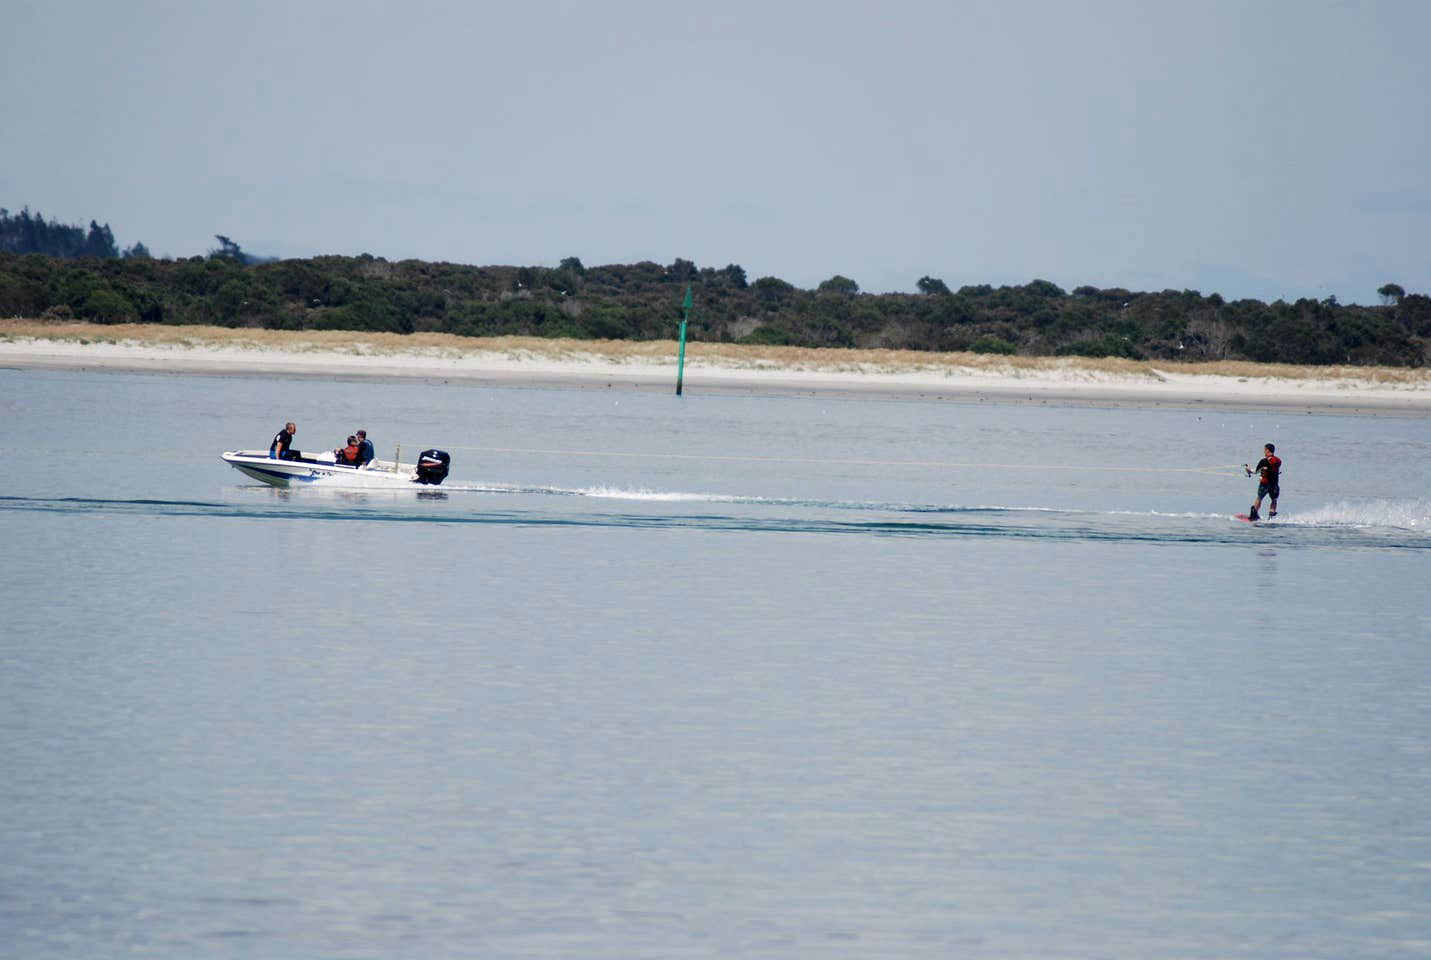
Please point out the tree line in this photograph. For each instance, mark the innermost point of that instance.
(32, 233)
(641, 301)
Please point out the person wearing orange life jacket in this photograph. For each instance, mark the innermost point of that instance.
(347, 456)
(1269, 473)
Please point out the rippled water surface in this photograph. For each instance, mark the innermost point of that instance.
(707, 677)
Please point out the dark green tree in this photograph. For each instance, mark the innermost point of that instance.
(32, 234)
(682, 271)
(99, 242)
(106, 306)
(773, 289)
(1043, 288)
(840, 285)
(227, 250)
(932, 286)
(1391, 293)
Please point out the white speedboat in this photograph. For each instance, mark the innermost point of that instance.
(430, 470)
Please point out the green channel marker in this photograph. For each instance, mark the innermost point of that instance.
(681, 359)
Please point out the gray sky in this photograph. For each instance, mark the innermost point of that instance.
(1262, 149)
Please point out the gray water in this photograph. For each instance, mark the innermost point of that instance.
(707, 677)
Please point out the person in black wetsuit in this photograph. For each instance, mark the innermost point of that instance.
(282, 446)
(1269, 475)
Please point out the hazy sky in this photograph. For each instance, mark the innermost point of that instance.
(1264, 149)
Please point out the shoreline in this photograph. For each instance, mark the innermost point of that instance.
(723, 369)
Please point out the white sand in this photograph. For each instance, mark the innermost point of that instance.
(569, 366)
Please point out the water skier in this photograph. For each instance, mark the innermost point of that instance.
(1269, 471)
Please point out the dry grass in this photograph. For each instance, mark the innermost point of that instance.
(739, 356)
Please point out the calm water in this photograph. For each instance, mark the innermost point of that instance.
(709, 677)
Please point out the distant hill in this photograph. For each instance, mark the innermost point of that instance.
(642, 301)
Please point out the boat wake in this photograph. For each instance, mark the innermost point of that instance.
(605, 493)
(1414, 515)
(1379, 525)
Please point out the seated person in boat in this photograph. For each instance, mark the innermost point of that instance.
(282, 446)
(347, 456)
(365, 449)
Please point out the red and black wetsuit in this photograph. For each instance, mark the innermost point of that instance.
(1269, 472)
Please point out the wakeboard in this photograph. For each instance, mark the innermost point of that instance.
(1245, 518)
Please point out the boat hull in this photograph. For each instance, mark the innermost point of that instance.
(289, 473)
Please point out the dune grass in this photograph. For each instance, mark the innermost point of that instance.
(728, 355)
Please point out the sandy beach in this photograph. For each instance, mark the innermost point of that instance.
(710, 368)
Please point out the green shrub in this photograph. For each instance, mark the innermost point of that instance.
(768, 335)
(1109, 345)
(993, 345)
(106, 306)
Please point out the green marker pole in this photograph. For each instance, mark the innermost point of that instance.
(681, 359)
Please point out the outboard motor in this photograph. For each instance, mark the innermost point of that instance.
(432, 466)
